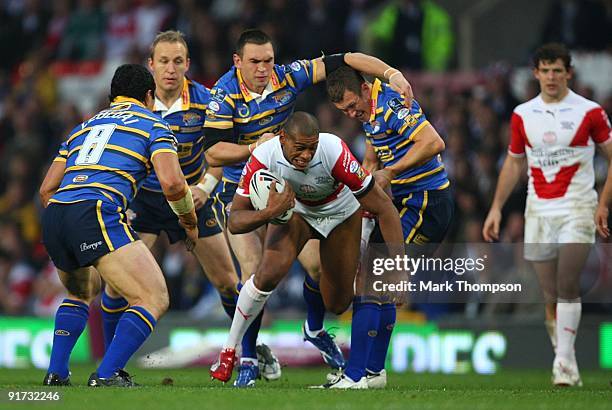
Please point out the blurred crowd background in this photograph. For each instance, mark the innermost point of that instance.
(57, 56)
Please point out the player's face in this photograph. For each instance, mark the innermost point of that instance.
(299, 149)
(169, 65)
(355, 106)
(256, 65)
(553, 78)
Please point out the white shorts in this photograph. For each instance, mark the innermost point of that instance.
(324, 218)
(544, 234)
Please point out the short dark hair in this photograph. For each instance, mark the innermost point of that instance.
(343, 79)
(301, 123)
(251, 36)
(169, 36)
(131, 80)
(550, 53)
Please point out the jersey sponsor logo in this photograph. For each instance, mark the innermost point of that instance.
(396, 105)
(191, 118)
(213, 106)
(567, 125)
(295, 66)
(323, 180)
(61, 332)
(243, 110)
(265, 120)
(282, 97)
(353, 167)
(211, 222)
(403, 113)
(307, 189)
(90, 246)
(219, 95)
(361, 174)
(80, 178)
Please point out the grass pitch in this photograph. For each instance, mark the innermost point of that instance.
(192, 389)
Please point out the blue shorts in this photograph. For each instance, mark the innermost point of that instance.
(77, 234)
(426, 216)
(154, 215)
(223, 197)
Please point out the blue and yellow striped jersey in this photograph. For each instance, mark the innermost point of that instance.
(187, 125)
(390, 130)
(109, 155)
(233, 107)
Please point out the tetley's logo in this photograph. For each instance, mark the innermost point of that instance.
(90, 246)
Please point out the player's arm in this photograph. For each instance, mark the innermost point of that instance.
(370, 159)
(244, 218)
(368, 65)
(605, 199)
(508, 178)
(52, 181)
(379, 203)
(206, 185)
(176, 191)
(427, 144)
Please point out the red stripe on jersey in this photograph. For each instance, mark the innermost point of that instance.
(325, 200)
(247, 173)
(556, 188)
(518, 138)
(594, 124)
(348, 170)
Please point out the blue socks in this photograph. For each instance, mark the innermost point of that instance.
(249, 340)
(364, 329)
(112, 309)
(314, 303)
(135, 325)
(376, 362)
(70, 321)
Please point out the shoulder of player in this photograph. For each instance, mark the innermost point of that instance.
(528, 106)
(198, 93)
(577, 99)
(267, 149)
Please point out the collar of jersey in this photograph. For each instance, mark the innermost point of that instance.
(248, 95)
(174, 107)
(123, 99)
(376, 88)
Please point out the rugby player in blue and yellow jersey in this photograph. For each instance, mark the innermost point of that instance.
(250, 104)
(94, 178)
(182, 103)
(403, 153)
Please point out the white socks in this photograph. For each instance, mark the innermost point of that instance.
(568, 318)
(250, 302)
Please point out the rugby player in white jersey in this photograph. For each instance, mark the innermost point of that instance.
(326, 187)
(555, 135)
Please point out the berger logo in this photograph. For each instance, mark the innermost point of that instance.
(282, 97)
(90, 246)
(353, 167)
(211, 222)
(60, 332)
(265, 120)
(80, 178)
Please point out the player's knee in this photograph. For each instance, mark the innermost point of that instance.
(266, 281)
(314, 272)
(226, 289)
(338, 305)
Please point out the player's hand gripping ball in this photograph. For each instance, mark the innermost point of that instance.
(259, 190)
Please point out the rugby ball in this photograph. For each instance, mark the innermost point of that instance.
(259, 190)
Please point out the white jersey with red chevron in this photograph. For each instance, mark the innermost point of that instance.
(326, 190)
(559, 141)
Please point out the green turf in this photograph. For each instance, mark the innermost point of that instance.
(193, 390)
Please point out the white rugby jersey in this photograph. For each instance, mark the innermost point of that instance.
(559, 141)
(326, 188)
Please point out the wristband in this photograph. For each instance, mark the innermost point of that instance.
(208, 184)
(391, 76)
(388, 69)
(184, 205)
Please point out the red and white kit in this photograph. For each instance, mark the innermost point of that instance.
(326, 190)
(559, 141)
